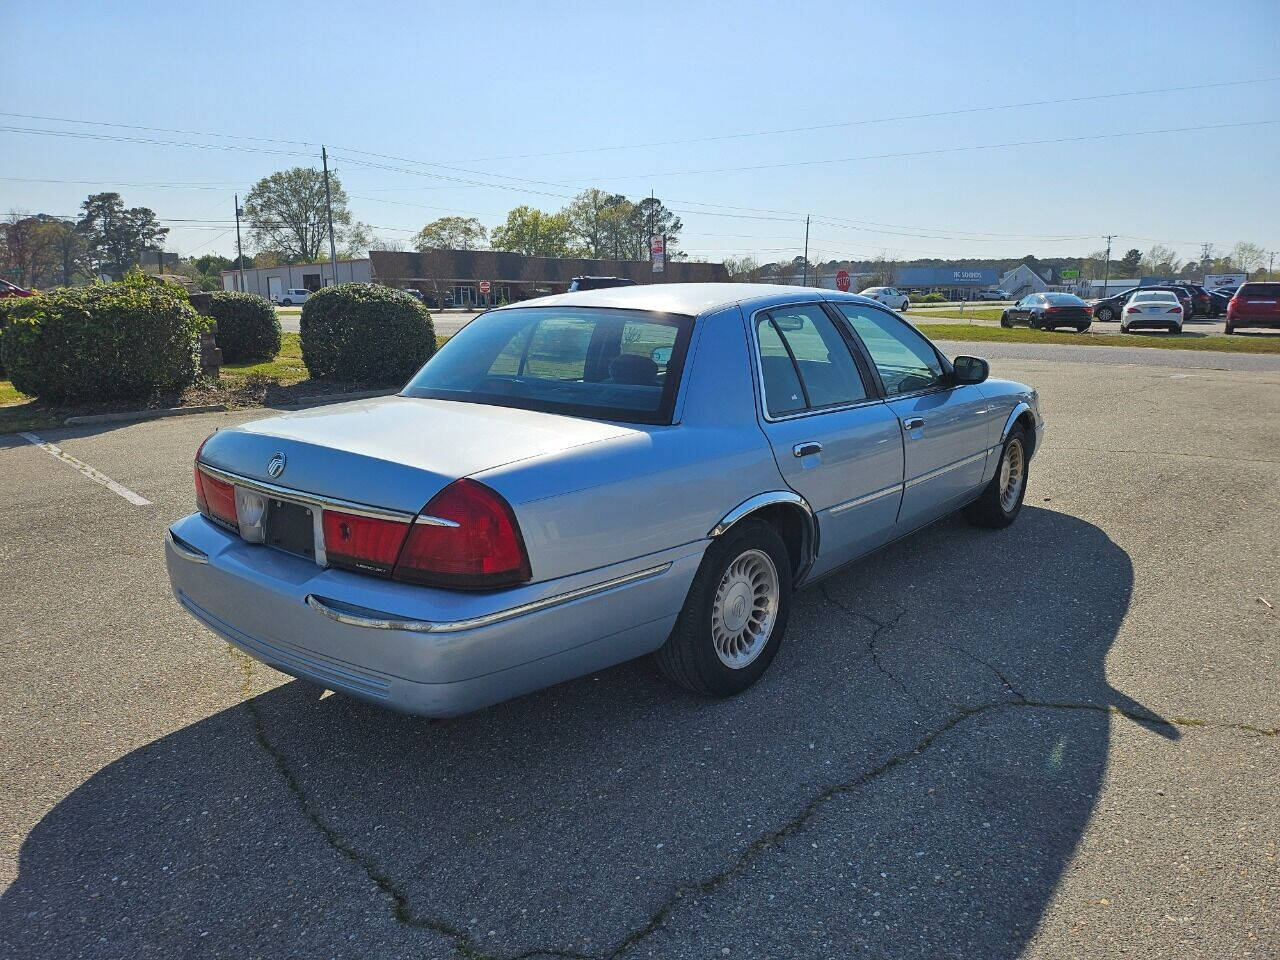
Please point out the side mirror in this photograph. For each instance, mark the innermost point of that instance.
(971, 369)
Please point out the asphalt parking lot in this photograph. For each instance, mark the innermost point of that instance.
(1054, 740)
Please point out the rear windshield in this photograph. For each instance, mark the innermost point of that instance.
(592, 362)
(1259, 290)
(1063, 298)
(1156, 295)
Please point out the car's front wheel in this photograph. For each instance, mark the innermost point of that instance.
(1005, 321)
(1001, 500)
(733, 619)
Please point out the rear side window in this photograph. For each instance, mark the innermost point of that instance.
(1259, 290)
(904, 359)
(583, 361)
(804, 362)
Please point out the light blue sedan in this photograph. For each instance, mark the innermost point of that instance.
(579, 480)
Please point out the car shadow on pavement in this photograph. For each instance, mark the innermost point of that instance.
(911, 778)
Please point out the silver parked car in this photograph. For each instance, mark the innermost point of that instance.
(575, 481)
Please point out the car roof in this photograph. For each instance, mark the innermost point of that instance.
(689, 299)
(1162, 292)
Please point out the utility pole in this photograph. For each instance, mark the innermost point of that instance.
(239, 254)
(806, 252)
(1271, 262)
(328, 207)
(1106, 265)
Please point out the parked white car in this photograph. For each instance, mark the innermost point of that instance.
(289, 298)
(1152, 309)
(994, 295)
(890, 296)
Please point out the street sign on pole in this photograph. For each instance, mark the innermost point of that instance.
(658, 252)
(842, 280)
(484, 287)
(1070, 274)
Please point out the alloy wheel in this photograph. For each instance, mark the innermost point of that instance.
(745, 609)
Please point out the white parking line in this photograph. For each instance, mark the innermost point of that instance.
(96, 476)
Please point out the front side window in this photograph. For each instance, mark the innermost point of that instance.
(581, 361)
(804, 362)
(905, 360)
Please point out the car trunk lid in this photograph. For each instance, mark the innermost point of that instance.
(394, 453)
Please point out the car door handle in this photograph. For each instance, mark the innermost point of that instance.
(913, 423)
(808, 448)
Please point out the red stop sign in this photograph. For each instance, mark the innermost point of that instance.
(842, 280)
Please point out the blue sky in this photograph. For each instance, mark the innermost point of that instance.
(463, 84)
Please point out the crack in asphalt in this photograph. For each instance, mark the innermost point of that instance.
(880, 627)
(465, 945)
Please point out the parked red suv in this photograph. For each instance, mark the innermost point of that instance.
(8, 289)
(1254, 305)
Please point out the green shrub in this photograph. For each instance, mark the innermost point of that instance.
(6, 305)
(248, 330)
(934, 297)
(127, 340)
(365, 333)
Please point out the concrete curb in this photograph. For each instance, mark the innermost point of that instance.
(126, 416)
(322, 399)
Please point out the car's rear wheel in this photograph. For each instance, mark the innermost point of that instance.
(1005, 321)
(1105, 314)
(1228, 329)
(906, 305)
(1001, 501)
(733, 619)
(286, 303)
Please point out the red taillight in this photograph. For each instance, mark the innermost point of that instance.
(369, 544)
(219, 497)
(1054, 310)
(1133, 310)
(468, 537)
(1088, 309)
(1175, 309)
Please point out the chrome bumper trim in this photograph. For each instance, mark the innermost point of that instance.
(186, 551)
(377, 620)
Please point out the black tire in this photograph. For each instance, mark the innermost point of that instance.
(906, 305)
(1105, 314)
(1228, 329)
(1033, 322)
(987, 510)
(689, 657)
(286, 303)
(1005, 321)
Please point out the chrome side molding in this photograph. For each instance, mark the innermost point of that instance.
(378, 620)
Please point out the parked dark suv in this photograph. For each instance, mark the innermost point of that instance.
(599, 283)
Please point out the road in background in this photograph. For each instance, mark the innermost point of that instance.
(1045, 741)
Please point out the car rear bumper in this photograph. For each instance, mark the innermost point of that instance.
(417, 649)
(1152, 325)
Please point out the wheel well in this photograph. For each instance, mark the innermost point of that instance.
(1028, 423)
(793, 526)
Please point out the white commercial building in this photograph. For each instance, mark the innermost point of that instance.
(271, 282)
